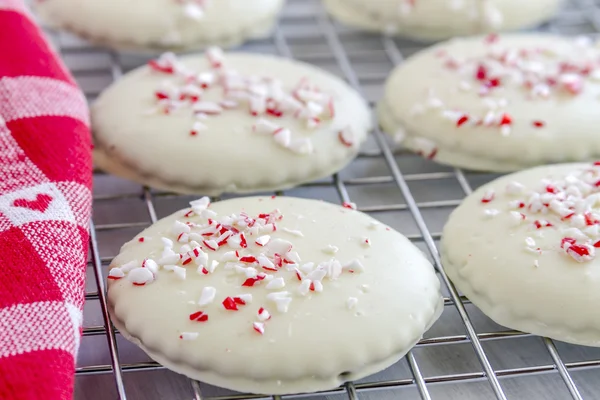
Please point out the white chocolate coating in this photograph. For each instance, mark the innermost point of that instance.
(541, 110)
(226, 155)
(358, 324)
(159, 25)
(431, 20)
(512, 262)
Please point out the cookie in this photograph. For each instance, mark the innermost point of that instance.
(430, 20)
(273, 295)
(237, 123)
(498, 103)
(523, 249)
(161, 25)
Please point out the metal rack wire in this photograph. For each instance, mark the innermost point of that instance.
(408, 177)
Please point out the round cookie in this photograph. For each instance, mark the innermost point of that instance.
(499, 103)
(215, 123)
(273, 295)
(431, 20)
(523, 249)
(161, 25)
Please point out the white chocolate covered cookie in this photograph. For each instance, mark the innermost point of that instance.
(499, 103)
(523, 249)
(442, 19)
(236, 123)
(273, 295)
(159, 25)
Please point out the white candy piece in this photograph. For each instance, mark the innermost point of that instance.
(116, 273)
(282, 137)
(293, 256)
(259, 327)
(200, 204)
(304, 287)
(193, 11)
(263, 314)
(265, 262)
(151, 265)
(264, 126)
(207, 296)
(246, 298)
(180, 272)
(140, 276)
(263, 240)
(276, 283)
(229, 256)
(278, 246)
(179, 228)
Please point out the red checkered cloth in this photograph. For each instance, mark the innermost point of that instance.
(45, 201)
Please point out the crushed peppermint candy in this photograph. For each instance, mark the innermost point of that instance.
(140, 276)
(259, 327)
(193, 9)
(207, 296)
(245, 246)
(199, 316)
(263, 97)
(540, 72)
(567, 204)
(263, 314)
(116, 273)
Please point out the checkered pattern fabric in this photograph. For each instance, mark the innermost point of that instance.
(45, 201)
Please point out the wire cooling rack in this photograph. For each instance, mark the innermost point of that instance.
(463, 356)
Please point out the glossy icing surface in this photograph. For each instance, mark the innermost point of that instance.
(190, 148)
(498, 103)
(441, 19)
(162, 24)
(370, 295)
(523, 249)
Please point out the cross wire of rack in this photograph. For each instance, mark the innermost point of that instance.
(306, 32)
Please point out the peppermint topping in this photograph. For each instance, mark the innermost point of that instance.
(263, 97)
(199, 316)
(263, 314)
(251, 255)
(281, 300)
(259, 327)
(207, 296)
(116, 273)
(567, 204)
(193, 9)
(140, 276)
(538, 72)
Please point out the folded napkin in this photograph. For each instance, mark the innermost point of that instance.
(45, 201)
